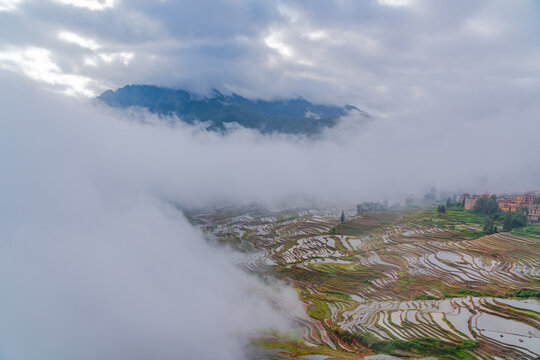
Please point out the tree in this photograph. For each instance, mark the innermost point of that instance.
(342, 218)
(519, 219)
(441, 209)
(492, 206)
(507, 222)
(480, 205)
(488, 225)
(370, 206)
(486, 205)
(448, 202)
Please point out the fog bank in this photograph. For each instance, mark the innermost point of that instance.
(93, 267)
(95, 262)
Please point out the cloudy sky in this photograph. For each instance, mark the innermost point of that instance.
(88, 236)
(382, 55)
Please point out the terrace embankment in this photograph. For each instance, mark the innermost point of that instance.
(402, 283)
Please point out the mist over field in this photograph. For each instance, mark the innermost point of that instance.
(93, 265)
(97, 260)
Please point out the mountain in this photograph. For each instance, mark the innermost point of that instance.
(290, 116)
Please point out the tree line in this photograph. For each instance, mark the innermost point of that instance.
(489, 207)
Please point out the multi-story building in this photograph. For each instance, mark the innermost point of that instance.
(516, 202)
(531, 197)
(525, 198)
(510, 202)
(469, 201)
(534, 212)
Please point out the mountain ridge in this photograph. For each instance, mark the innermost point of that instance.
(290, 116)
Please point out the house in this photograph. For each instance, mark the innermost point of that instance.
(516, 202)
(510, 202)
(469, 201)
(534, 212)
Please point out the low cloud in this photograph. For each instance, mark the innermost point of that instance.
(96, 262)
(94, 265)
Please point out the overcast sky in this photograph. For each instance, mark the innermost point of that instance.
(384, 56)
(88, 238)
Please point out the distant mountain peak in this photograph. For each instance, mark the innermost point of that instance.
(291, 116)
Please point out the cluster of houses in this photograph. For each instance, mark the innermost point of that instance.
(510, 202)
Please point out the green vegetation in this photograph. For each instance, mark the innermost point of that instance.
(514, 220)
(459, 215)
(486, 205)
(330, 278)
(371, 207)
(338, 277)
(468, 292)
(521, 293)
(294, 347)
(446, 293)
(320, 310)
(353, 228)
(364, 338)
(366, 223)
(424, 346)
(489, 228)
(532, 230)
(519, 219)
(527, 293)
(490, 217)
(507, 223)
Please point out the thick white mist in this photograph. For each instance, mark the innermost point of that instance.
(96, 263)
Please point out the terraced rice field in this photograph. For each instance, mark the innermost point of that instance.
(382, 282)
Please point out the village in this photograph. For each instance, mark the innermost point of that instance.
(528, 203)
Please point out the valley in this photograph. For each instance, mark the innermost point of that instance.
(411, 282)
